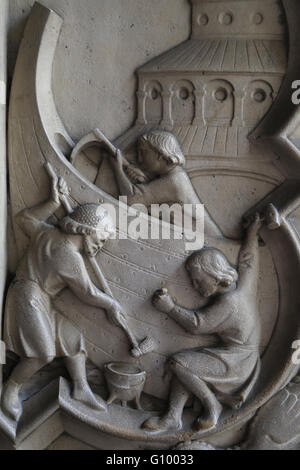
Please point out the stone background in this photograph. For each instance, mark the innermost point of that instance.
(101, 45)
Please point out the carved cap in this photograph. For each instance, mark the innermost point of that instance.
(90, 215)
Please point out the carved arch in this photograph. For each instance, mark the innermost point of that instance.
(183, 102)
(219, 103)
(153, 102)
(257, 102)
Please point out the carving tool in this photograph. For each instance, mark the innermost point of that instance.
(140, 176)
(97, 137)
(139, 349)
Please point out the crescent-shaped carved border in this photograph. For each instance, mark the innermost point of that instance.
(46, 125)
(234, 172)
(283, 118)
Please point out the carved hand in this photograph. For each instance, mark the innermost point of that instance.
(59, 187)
(136, 175)
(255, 225)
(163, 301)
(277, 424)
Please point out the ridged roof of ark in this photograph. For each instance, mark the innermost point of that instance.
(222, 55)
(242, 36)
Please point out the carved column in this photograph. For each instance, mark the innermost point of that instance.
(167, 108)
(199, 119)
(239, 95)
(3, 199)
(141, 98)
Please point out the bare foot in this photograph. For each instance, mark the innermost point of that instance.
(166, 423)
(84, 394)
(11, 404)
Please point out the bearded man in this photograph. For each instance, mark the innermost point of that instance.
(33, 329)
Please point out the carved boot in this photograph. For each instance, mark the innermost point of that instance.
(83, 393)
(210, 419)
(169, 422)
(10, 403)
(235, 402)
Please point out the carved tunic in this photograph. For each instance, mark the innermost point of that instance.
(33, 328)
(234, 318)
(228, 366)
(173, 188)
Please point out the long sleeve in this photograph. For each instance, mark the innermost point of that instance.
(74, 273)
(174, 188)
(33, 220)
(150, 193)
(248, 266)
(208, 320)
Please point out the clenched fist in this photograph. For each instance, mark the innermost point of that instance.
(135, 174)
(163, 301)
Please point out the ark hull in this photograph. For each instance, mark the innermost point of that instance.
(37, 136)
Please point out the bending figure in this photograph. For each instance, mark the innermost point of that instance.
(224, 374)
(33, 329)
(162, 161)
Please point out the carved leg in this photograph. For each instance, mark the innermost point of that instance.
(172, 420)
(11, 403)
(199, 388)
(111, 399)
(138, 402)
(81, 388)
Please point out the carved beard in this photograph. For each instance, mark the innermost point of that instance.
(90, 248)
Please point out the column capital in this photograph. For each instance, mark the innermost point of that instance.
(167, 93)
(141, 94)
(200, 93)
(240, 92)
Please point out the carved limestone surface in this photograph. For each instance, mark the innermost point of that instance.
(140, 340)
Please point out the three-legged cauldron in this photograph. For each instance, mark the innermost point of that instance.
(125, 383)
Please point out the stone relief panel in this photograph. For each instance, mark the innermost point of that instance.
(142, 339)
